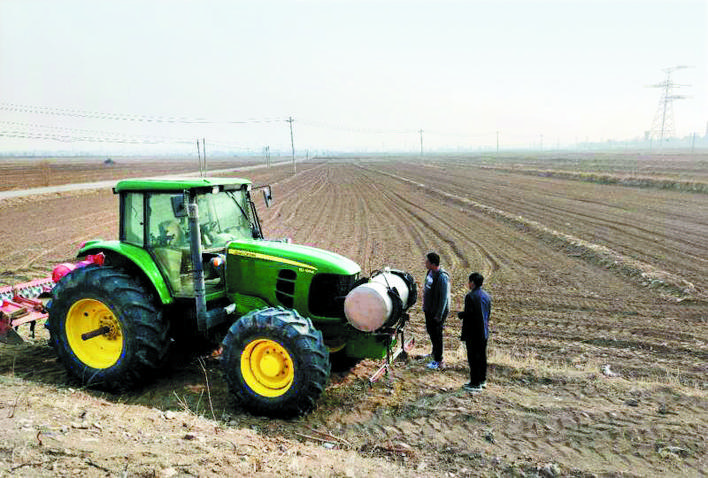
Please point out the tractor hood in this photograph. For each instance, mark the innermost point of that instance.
(305, 258)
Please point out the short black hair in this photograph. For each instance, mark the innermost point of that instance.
(433, 258)
(477, 279)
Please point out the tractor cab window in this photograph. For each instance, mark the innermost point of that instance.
(169, 242)
(224, 217)
(132, 227)
(165, 229)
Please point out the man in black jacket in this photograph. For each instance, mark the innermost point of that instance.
(475, 331)
(436, 293)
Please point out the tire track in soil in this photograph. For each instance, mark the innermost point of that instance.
(312, 215)
(56, 246)
(299, 199)
(397, 221)
(640, 271)
(514, 244)
(517, 198)
(642, 239)
(364, 242)
(433, 225)
(555, 302)
(349, 240)
(491, 261)
(521, 198)
(379, 223)
(408, 220)
(288, 194)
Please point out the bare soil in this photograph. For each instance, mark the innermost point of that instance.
(596, 369)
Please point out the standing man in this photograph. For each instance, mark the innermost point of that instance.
(475, 331)
(436, 293)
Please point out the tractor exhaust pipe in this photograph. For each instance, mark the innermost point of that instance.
(195, 247)
(205, 318)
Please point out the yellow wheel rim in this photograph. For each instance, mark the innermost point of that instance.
(88, 316)
(267, 368)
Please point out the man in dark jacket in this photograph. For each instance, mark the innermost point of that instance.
(436, 293)
(475, 331)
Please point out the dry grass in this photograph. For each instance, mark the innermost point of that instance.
(528, 362)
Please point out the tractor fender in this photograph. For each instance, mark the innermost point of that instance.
(138, 257)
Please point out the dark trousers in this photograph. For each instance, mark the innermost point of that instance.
(477, 359)
(435, 331)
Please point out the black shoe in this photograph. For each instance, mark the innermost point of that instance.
(471, 387)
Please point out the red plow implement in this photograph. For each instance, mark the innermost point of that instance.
(21, 305)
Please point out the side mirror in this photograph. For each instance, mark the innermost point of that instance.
(178, 206)
(267, 196)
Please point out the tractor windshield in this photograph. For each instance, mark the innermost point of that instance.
(224, 217)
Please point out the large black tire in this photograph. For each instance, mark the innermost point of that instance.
(134, 341)
(275, 362)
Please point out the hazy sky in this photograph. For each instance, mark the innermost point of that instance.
(81, 75)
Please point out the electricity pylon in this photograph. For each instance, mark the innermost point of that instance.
(663, 125)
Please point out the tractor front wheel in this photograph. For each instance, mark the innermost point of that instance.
(275, 362)
(106, 329)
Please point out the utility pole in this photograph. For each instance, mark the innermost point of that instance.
(292, 141)
(266, 153)
(663, 125)
(201, 155)
(421, 142)
(204, 154)
(497, 143)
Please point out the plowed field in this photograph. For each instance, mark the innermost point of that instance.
(598, 350)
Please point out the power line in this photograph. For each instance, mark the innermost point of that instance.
(50, 111)
(137, 118)
(68, 138)
(59, 133)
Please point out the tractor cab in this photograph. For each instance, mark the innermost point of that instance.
(155, 216)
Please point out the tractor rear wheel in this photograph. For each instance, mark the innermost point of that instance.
(275, 362)
(106, 328)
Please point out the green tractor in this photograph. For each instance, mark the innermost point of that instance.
(191, 265)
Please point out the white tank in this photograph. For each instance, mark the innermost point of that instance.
(369, 306)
